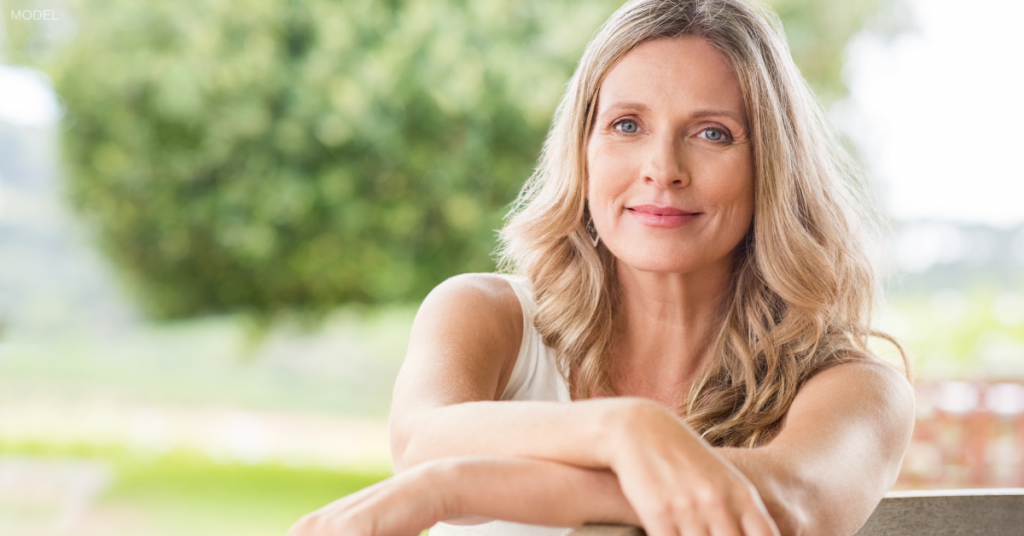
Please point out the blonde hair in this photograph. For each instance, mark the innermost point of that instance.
(803, 282)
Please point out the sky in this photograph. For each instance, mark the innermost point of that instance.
(936, 111)
(26, 98)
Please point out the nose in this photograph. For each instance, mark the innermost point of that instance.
(665, 166)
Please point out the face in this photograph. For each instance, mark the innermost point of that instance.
(669, 166)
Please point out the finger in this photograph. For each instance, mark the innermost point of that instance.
(659, 526)
(657, 522)
(723, 522)
(312, 524)
(366, 495)
(694, 527)
(691, 520)
(354, 498)
(758, 523)
(301, 527)
(367, 507)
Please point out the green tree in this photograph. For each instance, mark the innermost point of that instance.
(262, 157)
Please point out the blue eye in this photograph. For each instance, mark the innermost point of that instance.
(713, 134)
(627, 126)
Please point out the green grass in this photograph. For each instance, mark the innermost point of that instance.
(184, 493)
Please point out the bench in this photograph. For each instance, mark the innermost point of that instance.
(957, 512)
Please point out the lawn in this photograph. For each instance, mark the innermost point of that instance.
(175, 494)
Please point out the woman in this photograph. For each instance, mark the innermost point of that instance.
(692, 278)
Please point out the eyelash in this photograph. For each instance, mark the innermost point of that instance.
(617, 122)
(726, 135)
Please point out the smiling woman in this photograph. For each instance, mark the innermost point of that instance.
(680, 340)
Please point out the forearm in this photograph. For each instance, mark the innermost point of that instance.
(807, 493)
(576, 433)
(838, 453)
(781, 494)
(804, 492)
(531, 491)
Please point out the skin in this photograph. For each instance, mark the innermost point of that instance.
(462, 456)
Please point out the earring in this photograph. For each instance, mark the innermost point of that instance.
(592, 232)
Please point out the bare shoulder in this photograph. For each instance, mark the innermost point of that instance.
(862, 388)
(464, 340)
(482, 305)
(868, 376)
(474, 293)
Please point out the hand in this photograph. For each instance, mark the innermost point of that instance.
(403, 505)
(678, 485)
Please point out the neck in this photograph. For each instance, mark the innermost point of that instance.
(664, 327)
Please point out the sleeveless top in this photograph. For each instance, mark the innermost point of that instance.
(535, 376)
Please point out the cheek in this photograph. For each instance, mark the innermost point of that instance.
(735, 185)
(731, 188)
(741, 196)
(608, 175)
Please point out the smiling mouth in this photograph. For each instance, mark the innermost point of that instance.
(661, 211)
(664, 217)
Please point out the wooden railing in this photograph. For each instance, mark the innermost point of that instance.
(963, 512)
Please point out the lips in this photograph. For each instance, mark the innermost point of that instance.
(663, 217)
(660, 211)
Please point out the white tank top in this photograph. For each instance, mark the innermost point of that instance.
(535, 376)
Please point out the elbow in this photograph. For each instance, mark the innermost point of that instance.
(791, 502)
(410, 441)
(404, 456)
(398, 462)
(806, 509)
(401, 452)
(792, 520)
(791, 515)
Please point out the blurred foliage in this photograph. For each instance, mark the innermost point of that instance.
(266, 157)
(347, 367)
(973, 333)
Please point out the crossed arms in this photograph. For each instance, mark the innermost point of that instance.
(462, 457)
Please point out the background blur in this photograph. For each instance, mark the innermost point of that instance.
(217, 219)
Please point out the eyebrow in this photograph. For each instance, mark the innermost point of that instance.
(639, 106)
(699, 114)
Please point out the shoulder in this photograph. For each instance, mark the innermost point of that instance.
(474, 317)
(867, 387)
(475, 296)
(867, 371)
(463, 345)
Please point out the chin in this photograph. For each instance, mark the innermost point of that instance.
(662, 260)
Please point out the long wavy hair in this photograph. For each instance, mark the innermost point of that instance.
(803, 281)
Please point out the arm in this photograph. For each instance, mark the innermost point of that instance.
(460, 490)
(463, 346)
(838, 451)
(823, 474)
(536, 492)
(837, 454)
(464, 343)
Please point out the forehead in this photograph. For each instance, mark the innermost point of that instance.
(680, 72)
